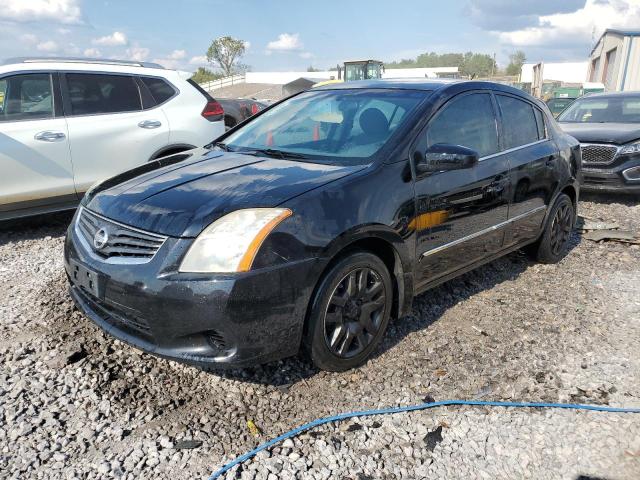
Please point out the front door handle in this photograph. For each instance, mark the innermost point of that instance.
(150, 124)
(49, 136)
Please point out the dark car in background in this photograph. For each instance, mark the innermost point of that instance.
(236, 110)
(319, 219)
(607, 125)
(557, 105)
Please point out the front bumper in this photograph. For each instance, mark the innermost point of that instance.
(226, 320)
(622, 176)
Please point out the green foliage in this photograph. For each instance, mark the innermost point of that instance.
(516, 60)
(204, 75)
(225, 53)
(310, 68)
(470, 64)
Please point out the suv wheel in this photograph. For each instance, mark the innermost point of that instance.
(554, 242)
(350, 313)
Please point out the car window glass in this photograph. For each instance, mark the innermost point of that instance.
(92, 93)
(338, 125)
(542, 130)
(26, 97)
(620, 109)
(468, 121)
(159, 88)
(518, 122)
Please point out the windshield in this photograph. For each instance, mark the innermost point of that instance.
(603, 110)
(345, 126)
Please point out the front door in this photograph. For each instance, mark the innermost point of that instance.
(108, 129)
(35, 164)
(460, 212)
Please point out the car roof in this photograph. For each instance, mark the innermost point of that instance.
(612, 94)
(83, 64)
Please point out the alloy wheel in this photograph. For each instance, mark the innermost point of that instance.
(561, 228)
(354, 312)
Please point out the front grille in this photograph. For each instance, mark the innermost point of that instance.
(111, 240)
(602, 154)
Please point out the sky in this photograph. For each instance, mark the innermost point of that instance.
(285, 35)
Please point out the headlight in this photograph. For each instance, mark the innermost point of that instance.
(230, 243)
(629, 149)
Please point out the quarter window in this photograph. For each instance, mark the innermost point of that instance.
(160, 89)
(518, 122)
(26, 97)
(542, 129)
(92, 94)
(468, 121)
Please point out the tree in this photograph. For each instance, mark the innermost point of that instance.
(516, 60)
(477, 65)
(225, 53)
(310, 68)
(204, 75)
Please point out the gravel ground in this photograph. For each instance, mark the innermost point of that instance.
(75, 403)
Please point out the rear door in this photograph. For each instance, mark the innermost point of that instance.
(109, 132)
(35, 164)
(460, 211)
(533, 157)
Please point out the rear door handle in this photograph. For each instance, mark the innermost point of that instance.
(49, 136)
(150, 124)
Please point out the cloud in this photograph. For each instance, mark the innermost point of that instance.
(92, 52)
(505, 15)
(177, 55)
(247, 45)
(198, 60)
(285, 43)
(48, 46)
(29, 39)
(113, 40)
(58, 11)
(306, 55)
(575, 29)
(64, 31)
(137, 54)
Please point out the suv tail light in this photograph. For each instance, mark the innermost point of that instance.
(213, 111)
(254, 109)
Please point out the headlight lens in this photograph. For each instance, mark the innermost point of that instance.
(629, 149)
(230, 243)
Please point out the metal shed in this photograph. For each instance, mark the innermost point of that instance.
(615, 60)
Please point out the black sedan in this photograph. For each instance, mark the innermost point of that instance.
(319, 219)
(608, 128)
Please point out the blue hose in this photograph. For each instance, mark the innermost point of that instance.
(410, 408)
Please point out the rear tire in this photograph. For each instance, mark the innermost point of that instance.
(349, 314)
(553, 244)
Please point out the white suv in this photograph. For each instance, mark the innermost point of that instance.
(67, 123)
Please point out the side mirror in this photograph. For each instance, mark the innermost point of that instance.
(444, 156)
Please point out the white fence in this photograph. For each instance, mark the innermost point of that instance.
(223, 82)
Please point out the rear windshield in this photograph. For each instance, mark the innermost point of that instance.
(603, 110)
(344, 126)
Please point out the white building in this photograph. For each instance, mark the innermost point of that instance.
(615, 60)
(568, 72)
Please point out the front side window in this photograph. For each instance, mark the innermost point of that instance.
(346, 125)
(95, 93)
(621, 109)
(26, 97)
(519, 123)
(353, 72)
(468, 121)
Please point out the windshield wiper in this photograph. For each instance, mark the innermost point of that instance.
(271, 152)
(221, 146)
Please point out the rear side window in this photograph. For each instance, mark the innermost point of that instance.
(160, 89)
(26, 97)
(518, 122)
(542, 129)
(468, 121)
(91, 94)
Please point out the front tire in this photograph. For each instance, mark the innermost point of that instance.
(350, 313)
(554, 241)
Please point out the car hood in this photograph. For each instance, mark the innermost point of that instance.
(617, 133)
(180, 195)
